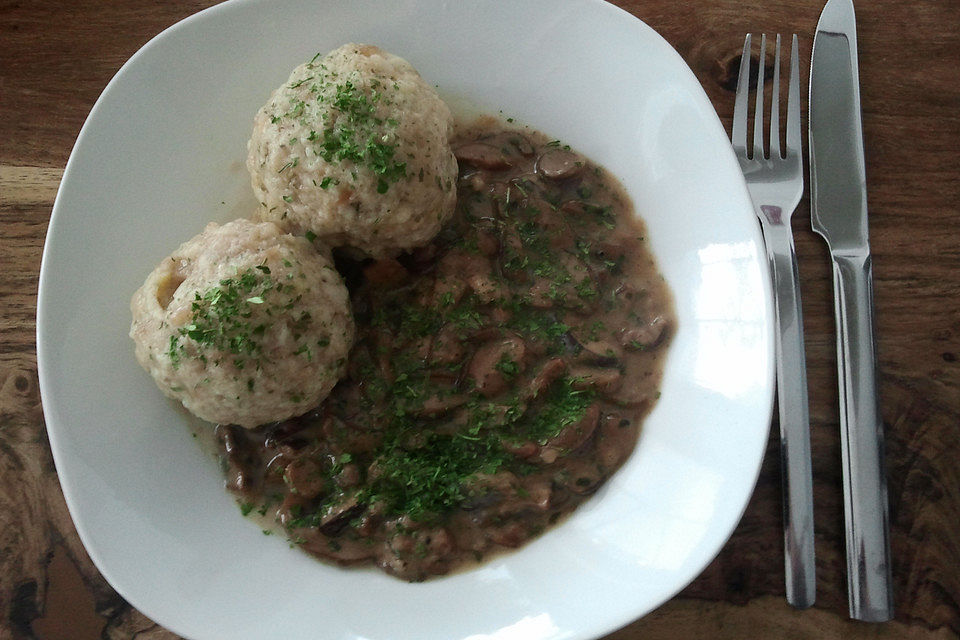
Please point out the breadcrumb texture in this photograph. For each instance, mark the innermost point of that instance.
(244, 324)
(355, 147)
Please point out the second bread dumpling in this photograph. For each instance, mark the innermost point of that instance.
(355, 148)
(244, 324)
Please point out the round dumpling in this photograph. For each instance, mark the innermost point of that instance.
(244, 324)
(355, 148)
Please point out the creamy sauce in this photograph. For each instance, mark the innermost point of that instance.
(500, 374)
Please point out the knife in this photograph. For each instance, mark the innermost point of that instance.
(839, 214)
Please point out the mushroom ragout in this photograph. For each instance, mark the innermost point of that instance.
(499, 376)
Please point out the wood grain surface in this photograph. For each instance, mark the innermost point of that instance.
(56, 58)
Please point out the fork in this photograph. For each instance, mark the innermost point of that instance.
(775, 182)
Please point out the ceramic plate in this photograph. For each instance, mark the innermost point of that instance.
(162, 153)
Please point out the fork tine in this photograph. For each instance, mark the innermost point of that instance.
(739, 134)
(775, 105)
(793, 103)
(758, 112)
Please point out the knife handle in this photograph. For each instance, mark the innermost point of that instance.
(795, 461)
(869, 587)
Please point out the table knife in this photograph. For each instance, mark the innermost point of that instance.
(839, 214)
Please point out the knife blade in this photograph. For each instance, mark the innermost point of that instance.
(839, 214)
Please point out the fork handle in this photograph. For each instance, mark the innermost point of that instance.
(869, 586)
(797, 474)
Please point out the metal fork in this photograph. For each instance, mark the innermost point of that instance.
(775, 182)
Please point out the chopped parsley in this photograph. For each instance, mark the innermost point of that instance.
(220, 319)
(508, 367)
(224, 319)
(352, 130)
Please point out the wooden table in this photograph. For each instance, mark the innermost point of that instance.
(56, 58)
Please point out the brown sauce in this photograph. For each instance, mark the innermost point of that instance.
(500, 374)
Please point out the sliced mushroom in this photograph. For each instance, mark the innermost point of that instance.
(287, 432)
(487, 288)
(580, 476)
(447, 348)
(482, 155)
(601, 353)
(470, 268)
(572, 436)
(523, 450)
(559, 164)
(549, 455)
(551, 223)
(549, 372)
(578, 211)
(489, 368)
(512, 534)
(343, 437)
(539, 493)
(615, 440)
(604, 379)
(436, 404)
(305, 477)
(417, 553)
(342, 549)
(337, 516)
(511, 139)
(348, 477)
(645, 336)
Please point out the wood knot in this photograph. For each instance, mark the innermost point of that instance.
(728, 69)
(18, 383)
(948, 357)
(713, 60)
(19, 397)
(729, 73)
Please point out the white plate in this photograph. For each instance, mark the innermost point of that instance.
(162, 153)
